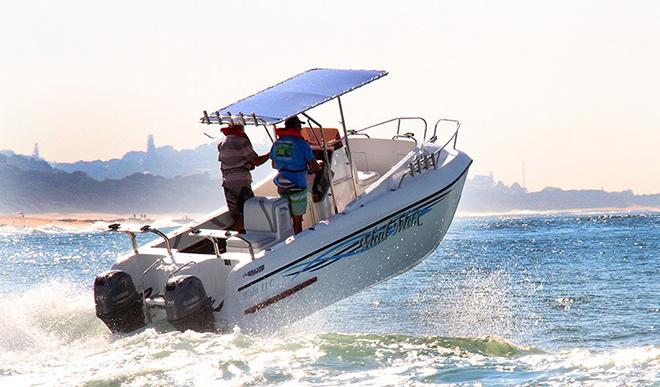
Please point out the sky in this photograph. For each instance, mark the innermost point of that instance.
(569, 88)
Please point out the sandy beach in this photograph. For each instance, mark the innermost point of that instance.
(86, 220)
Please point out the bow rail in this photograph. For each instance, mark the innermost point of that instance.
(423, 160)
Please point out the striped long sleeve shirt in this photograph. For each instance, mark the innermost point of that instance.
(236, 157)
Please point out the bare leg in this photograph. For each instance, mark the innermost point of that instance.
(297, 223)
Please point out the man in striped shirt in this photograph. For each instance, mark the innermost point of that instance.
(237, 158)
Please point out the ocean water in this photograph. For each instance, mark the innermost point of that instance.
(518, 300)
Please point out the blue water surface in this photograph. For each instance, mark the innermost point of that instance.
(551, 281)
(560, 285)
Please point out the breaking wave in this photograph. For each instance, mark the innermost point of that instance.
(84, 227)
(51, 336)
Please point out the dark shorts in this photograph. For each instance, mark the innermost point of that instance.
(236, 196)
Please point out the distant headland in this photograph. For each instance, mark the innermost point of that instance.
(483, 194)
(166, 180)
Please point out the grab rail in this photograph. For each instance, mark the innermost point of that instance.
(398, 121)
(116, 227)
(212, 235)
(408, 135)
(144, 273)
(156, 231)
(354, 132)
(187, 264)
(454, 136)
(423, 162)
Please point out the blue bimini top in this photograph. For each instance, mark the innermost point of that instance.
(295, 95)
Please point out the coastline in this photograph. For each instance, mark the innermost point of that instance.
(100, 221)
(572, 211)
(93, 221)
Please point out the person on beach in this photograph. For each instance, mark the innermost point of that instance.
(237, 158)
(292, 156)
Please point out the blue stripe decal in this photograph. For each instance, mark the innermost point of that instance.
(429, 199)
(366, 240)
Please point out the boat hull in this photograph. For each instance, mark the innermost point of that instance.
(353, 257)
(388, 229)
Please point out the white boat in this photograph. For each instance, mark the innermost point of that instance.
(390, 204)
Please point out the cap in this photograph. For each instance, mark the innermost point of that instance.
(236, 125)
(231, 128)
(293, 122)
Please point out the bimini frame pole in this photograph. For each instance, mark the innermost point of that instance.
(327, 168)
(348, 148)
(256, 123)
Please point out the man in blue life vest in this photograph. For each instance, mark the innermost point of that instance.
(292, 156)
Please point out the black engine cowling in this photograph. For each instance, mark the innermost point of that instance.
(118, 304)
(187, 306)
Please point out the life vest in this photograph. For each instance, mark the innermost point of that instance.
(288, 132)
(235, 130)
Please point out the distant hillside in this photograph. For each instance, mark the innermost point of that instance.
(34, 186)
(190, 183)
(162, 161)
(484, 194)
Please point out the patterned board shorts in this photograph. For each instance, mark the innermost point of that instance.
(236, 195)
(297, 200)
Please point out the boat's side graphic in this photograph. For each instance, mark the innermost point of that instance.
(352, 241)
(374, 246)
(365, 241)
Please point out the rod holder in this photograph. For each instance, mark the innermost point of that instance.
(215, 235)
(156, 231)
(116, 227)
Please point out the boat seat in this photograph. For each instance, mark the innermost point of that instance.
(366, 178)
(266, 221)
(314, 137)
(258, 240)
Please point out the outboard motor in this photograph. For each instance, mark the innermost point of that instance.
(187, 306)
(117, 302)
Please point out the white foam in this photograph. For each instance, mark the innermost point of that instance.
(87, 227)
(620, 366)
(46, 317)
(10, 231)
